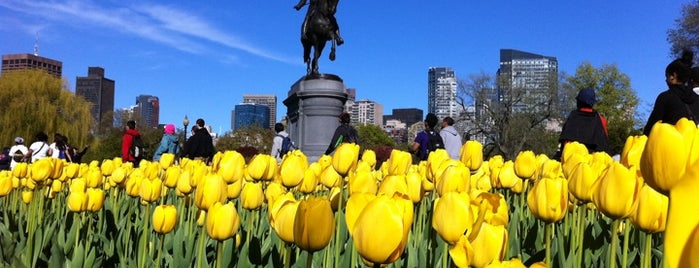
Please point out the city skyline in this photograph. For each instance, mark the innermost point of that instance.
(200, 58)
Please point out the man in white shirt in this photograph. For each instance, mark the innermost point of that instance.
(18, 152)
(451, 138)
(40, 148)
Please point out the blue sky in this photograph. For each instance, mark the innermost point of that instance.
(200, 57)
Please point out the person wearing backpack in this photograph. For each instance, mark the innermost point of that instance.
(344, 133)
(131, 134)
(200, 146)
(281, 143)
(19, 152)
(428, 140)
(168, 144)
(40, 148)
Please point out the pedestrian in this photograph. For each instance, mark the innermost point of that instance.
(20, 152)
(451, 138)
(130, 135)
(585, 125)
(199, 146)
(60, 148)
(40, 147)
(678, 101)
(5, 159)
(168, 144)
(278, 141)
(427, 140)
(344, 133)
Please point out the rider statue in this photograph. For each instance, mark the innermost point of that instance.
(313, 8)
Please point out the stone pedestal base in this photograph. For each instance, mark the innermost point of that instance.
(313, 106)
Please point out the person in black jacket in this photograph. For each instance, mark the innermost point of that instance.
(343, 133)
(678, 100)
(199, 146)
(585, 125)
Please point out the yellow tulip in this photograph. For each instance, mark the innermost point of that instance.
(452, 216)
(77, 201)
(471, 154)
(362, 182)
(436, 164)
(393, 184)
(273, 191)
(166, 160)
(548, 199)
(211, 189)
(512, 263)
(386, 219)
(355, 205)
(107, 167)
(681, 238)
(369, 157)
(293, 168)
(20, 170)
(494, 206)
(310, 178)
(164, 219)
(222, 221)
(541, 160)
(399, 162)
(455, 178)
(518, 188)
(234, 189)
(525, 164)
(58, 165)
(199, 170)
(314, 224)
(651, 213)
(231, 167)
(481, 180)
(183, 185)
(538, 265)
(495, 165)
(633, 148)
(551, 169)
(416, 191)
(118, 175)
(252, 195)
(616, 191)
(56, 186)
(259, 167)
(507, 178)
(172, 175)
(27, 196)
(71, 170)
(5, 183)
(41, 169)
(345, 158)
(490, 242)
(150, 190)
(462, 252)
(95, 199)
(329, 177)
(282, 216)
(94, 177)
(573, 148)
(668, 153)
(582, 181)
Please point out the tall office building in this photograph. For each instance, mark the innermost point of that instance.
(528, 74)
(12, 62)
(367, 112)
(248, 115)
(99, 91)
(266, 100)
(148, 107)
(441, 92)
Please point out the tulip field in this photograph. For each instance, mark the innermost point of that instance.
(344, 210)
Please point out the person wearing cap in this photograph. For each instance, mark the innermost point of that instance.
(168, 144)
(200, 146)
(19, 152)
(423, 139)
(344, 133)
(585, 125)
(678, 101)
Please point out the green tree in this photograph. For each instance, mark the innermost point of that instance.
(686, 31)
(372, 136)
(254, 136)
(107, 144)
(617, 100)
(34, 101)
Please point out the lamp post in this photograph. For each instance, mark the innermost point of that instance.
(185, 122)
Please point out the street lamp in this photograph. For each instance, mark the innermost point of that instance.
(185, 122)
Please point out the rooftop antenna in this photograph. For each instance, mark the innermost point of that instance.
(36, 44)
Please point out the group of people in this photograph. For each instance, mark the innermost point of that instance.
(429, 139)
(40, 148)
(199, 146)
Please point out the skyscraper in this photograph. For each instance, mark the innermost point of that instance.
(148, 107)
(99, 91)
(367, 112)
(248, 114)
(266, 100)
(525, 74)
(12, 62)
(441, 92)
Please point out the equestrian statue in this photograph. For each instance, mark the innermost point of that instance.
(318, 27)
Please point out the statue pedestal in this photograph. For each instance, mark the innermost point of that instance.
(313, 106)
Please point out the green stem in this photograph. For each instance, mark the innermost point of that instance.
(200, 255)
(309, 260)
(146, 230)
(647, 250)
(581, 234)
(88, 236)
(338, 215)
(219, 254)
(626, 243)
(445, 256)
(613, 244)
(77, 232)
(548, 235)
(287, 255)
(160, 251)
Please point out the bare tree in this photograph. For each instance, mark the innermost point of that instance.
(686, 31)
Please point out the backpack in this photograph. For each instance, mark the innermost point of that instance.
(435, 142)
(287, 145)
(18, 156)
(137, 150)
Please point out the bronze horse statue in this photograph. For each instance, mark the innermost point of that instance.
(318, 27)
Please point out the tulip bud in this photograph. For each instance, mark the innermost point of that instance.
(166, 160)
(211, 189)
(95, 199)
(293, 168)
(77, 201)
(164, 218)
(314, 224)
(252, 196)
(548, 199)
(617, 191)
(27, 196)
(369, 157)
(651, 213)
(231, 166)
(633, 148)
(525, 164)
(471, 154)
(345, 158)
(387, 219)
(107, 167)
(222, 221)
(491, 243)
(282, 216)
(150, 190)
(452, 216)
(5, 183)
(399, 162)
